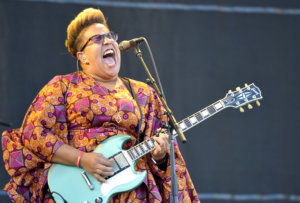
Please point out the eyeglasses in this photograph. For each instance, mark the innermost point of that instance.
(98, 38)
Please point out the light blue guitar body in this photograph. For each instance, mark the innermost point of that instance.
(72, 186)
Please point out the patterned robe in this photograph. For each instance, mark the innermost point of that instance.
(76, 110)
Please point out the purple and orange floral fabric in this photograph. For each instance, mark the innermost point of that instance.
(76, 110)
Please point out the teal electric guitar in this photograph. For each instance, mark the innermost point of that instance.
(74, 185)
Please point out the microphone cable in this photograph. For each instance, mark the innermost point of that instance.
(155, 68)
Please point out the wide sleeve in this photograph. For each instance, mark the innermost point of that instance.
(27, 151)
(43, 131)
(154, 119)
(45, 128)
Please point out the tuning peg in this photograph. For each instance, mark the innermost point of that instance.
(229, 91)
(257, 103)
(242, 110)
(250, 106)
(238, 88)
(246, 85)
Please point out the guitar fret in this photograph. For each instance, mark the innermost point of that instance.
(130, 154)
(144, 146)
(134, 153)
(211, 109)
(147, 145)
(187, 123)
(150, 143)
(138, 150)
(141, 148)
(198, 116)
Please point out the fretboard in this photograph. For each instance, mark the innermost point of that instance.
(200, 116)
(147, 146)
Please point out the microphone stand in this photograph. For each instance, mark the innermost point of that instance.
(172, 125)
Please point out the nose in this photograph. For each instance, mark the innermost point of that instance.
(107, 40)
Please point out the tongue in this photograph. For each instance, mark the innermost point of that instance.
(109, 61)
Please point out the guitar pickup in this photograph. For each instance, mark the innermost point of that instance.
(120, 163)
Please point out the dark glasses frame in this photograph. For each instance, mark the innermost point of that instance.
(98, 38)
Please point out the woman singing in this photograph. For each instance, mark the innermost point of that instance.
(74, 113)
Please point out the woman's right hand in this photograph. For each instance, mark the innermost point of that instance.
(97, 165)
(94, 163)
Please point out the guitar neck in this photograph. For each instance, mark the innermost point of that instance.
(200, 116)
(147, 146)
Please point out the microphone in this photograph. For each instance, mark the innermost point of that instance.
(126, 45)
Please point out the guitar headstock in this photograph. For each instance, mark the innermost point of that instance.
(243, 96)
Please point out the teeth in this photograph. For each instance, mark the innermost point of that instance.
(109, 51)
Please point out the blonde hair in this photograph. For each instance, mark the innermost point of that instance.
(84, 19)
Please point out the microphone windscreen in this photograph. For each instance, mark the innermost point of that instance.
(124, 45)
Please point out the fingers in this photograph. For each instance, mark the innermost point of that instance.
(104, 173)
(103, 168)
(157, 147)
(103, 161)
(98, 166)
(163, 141)
(162, 130)
(162, 146)
(99, 178)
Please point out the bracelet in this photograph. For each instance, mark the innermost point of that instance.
(78, 158)
(160, 162)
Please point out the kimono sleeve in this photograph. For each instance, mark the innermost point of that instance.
(187, 192)
(45, 128)
(155, 118)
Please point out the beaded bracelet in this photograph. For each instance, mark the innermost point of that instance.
(78, 158)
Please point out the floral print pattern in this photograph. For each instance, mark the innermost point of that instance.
(76, 110)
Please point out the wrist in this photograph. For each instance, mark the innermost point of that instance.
(160, 161)
(79, 157)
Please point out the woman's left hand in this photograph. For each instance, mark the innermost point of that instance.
(162, 146)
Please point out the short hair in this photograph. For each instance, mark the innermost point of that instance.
(84, 19)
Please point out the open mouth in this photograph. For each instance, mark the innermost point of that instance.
(109, 57)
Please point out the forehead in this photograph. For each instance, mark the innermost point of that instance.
(94, 29)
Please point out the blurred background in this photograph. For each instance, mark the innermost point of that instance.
(202, 49)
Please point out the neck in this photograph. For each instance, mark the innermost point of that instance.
(110, 81)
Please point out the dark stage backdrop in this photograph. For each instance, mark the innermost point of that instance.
(200, 56)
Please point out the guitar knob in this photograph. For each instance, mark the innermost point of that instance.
(98, 200)
(242, 110)
(257, 103)
(250, 106)
(238, 88)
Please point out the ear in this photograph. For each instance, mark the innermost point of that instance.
(81, 57)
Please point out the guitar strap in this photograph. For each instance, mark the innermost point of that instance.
(129, 87)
